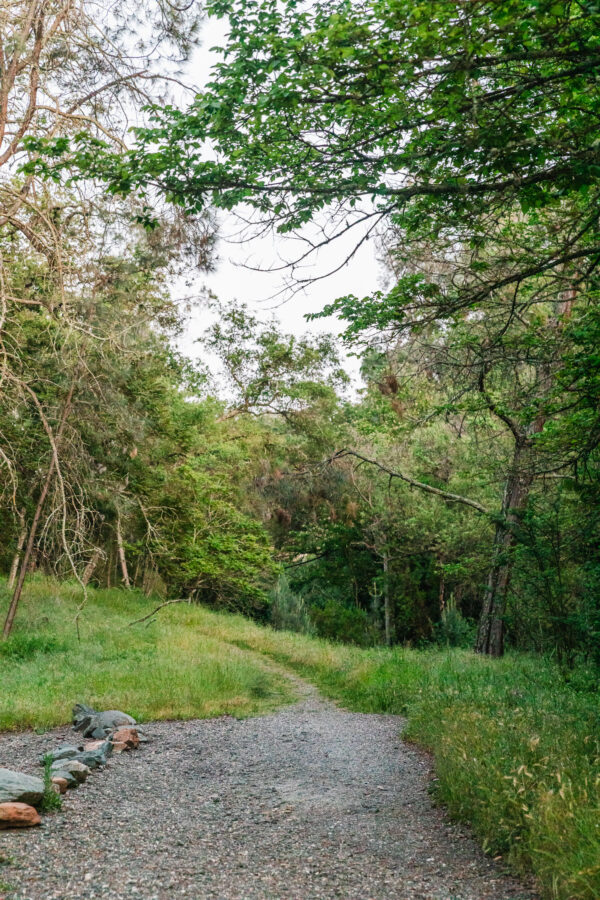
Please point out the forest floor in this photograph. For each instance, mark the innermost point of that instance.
(310, 801)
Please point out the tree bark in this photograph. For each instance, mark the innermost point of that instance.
(89, 569)
(15, 563)
(10, 616)
(387, 602)
(490, 635)
(121, 552)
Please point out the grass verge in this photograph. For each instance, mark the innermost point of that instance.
(171, 669)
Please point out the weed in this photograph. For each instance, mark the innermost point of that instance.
(51, 799)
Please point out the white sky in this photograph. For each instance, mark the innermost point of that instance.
(261, 290)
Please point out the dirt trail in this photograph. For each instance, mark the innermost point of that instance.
(309, 802)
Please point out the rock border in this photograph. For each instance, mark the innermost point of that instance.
(112, 731)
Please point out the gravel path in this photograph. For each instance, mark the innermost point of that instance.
(309, 802)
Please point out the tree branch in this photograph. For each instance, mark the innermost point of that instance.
(154, 611)
(429, 489)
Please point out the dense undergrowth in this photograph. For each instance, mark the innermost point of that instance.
(516, 747)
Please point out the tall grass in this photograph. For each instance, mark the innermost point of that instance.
(162, 670)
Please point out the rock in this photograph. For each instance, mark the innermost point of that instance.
(67, 751)
(98, 725)
(93, 759)
(61, 783)
(92, 745)
(19, 788)
(127, 736)
(65, 775)
(18, 815)
(77, 769)
(119, 746)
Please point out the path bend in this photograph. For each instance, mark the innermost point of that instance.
(308, 802)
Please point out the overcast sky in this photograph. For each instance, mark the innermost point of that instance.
(262, 290)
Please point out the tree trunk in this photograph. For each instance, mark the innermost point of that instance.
(490, 635)
(89, 569)
(15, 563)
(121, 552)
(387, 601)
(10, 616)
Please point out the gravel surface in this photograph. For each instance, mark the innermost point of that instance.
(309, 802)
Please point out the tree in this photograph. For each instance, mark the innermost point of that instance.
(441, 118)
(65, 66)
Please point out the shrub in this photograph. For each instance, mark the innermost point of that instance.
(288, 611)
(453, 630)
(349, 624)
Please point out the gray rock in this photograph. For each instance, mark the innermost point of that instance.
(95, 758)
(77, 769)
(68, 776)
(67, 751)
(19, 788)
(97, 725)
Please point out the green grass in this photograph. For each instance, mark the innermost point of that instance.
(516, 749)
(165, 670)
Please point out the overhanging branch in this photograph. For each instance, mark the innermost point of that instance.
(428, 488)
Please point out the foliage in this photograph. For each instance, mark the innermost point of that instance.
(287, 610)
(453, 630)
(341, 622)
(51, 800)
(437, 123)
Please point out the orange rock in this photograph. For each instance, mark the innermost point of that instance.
(128, 736)
(61, 783)
(119, 746)
(18, 815)
(93, 745)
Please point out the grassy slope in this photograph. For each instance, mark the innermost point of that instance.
(166, 669)
(516, 750)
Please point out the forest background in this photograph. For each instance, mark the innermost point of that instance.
(461, 483)
(448, 499)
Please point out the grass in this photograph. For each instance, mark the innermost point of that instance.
(516, 749)
(51, 799)
(166, 670)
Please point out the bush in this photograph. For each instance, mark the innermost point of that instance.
(453, 630)
(288, 611)
(349, 624)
